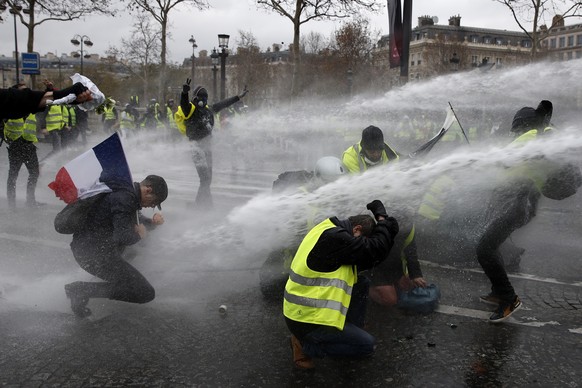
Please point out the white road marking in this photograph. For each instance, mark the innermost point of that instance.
(523, 276)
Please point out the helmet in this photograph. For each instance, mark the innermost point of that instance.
(329, 168)
(372, 138)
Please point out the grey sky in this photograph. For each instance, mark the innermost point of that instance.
(229, 17)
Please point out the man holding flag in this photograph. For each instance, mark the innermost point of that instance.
(112, 223)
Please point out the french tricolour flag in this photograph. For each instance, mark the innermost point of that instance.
(79, 178)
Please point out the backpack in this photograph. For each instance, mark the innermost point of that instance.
(420, 300)
(75, 215)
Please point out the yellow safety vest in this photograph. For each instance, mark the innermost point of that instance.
(25, 128)
(321, 298)
(109, 114)
(180, 118)
(54, 118)
(354, 161)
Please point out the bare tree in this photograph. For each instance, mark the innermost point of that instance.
(251, 68)
(532, 16)
(160, 11)
(140, 53)
(313, 43)
(36, 12)
(302, 11)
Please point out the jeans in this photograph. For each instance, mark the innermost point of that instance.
(352, 341)
(22, 152)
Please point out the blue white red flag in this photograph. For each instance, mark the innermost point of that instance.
(79, 178)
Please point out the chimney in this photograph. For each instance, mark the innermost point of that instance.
(558, 21)
(455, 21)
(425, 21)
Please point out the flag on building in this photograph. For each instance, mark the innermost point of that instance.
(79, 178)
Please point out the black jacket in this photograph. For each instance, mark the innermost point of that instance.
(201, 123)
(111, 224)
(337, 246)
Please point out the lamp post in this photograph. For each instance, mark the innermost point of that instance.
(80, 40)
(455, 61)
(350, 78)
(214, 57)
(223, 45)
(194, 46)
(15, 10)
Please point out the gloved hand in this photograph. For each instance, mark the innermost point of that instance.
(377, 208)
(243, 93)
(392, 226)
(186, 86)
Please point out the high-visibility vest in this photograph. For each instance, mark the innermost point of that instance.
(54, 118)
(127, 121)
(170, 116)
(25, 128)
(72, 116)
(321, 298)
(109, 113)
(66, 122)
(354, 161)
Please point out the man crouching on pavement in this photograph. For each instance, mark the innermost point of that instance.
(114, 223)
(325, 301)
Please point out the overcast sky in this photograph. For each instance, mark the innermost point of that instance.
(230, 17)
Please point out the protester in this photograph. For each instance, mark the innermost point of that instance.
(112, 225)
(20, 136)
(325, 300)
(514, 203)
(196, 120)
(370, 151)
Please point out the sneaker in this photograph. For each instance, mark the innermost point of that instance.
(505, 310)
(491, 299)
(78, 301)
(300, 360)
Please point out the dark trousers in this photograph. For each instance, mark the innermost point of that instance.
(202, 157)
(122, 281)
(352, 341)
(511, 208)
(22, 152)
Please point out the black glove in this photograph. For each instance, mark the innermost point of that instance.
(392, 226)
(377, 209)
(186, 86)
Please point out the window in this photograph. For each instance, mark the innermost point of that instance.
(578, 54)
(474, 59)
(498, 61)
(474, 39)
(562, 42)
(487, 40)
(569, 55)
(553, 43)
(525, 43)
(571, 41)
(498, 41)
(578, 40)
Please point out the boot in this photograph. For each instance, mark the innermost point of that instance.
(299, 358)
(79, 300)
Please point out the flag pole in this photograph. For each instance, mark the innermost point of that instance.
(460, 126)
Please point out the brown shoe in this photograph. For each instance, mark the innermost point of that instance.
(301, 360)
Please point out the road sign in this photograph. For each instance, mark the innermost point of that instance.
(30, 63)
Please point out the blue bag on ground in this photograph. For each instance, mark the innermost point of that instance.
(420, 300)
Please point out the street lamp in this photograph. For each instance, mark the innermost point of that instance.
(223, 45)
(15, 9)
(455, 61)
(214, 57)
(194, 46)
(350, 78)
(80, 40)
